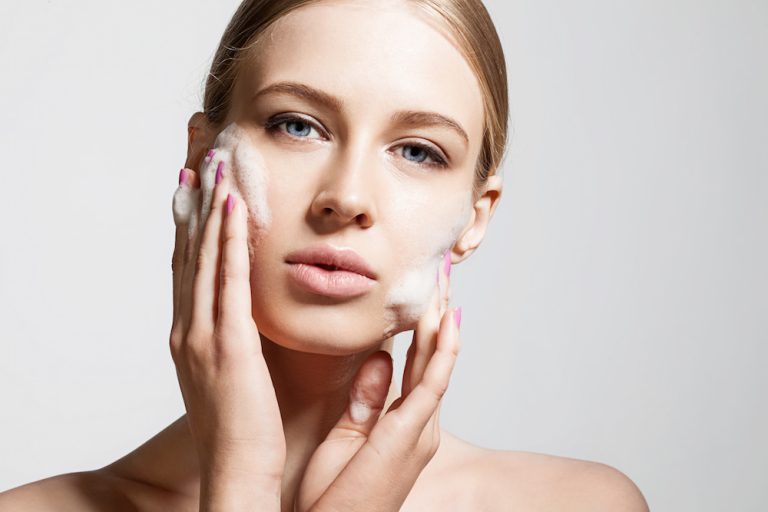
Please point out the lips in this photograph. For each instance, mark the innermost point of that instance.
(324, 270)
(328, 257)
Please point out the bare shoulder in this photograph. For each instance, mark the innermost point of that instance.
(85, 491)
(537, 481)
(463, 476)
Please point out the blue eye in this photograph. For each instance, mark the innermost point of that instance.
(294, 126)
(300, 128)
(304, 128)
(422, 152)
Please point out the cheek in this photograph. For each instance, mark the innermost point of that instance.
(251, 180)
(427, 230)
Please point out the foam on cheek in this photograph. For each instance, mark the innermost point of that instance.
(409, 297)
(244, 163)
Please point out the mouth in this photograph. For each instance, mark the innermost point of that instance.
(328, 267)
(328, 257)
(325, 270)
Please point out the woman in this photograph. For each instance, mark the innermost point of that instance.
(345, 158)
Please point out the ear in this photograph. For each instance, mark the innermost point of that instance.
(200, 138)
(474, 232)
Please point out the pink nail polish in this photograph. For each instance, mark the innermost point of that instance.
(447, 262)
(457, 316)
(210, 154)
(219, 172)
(230, 203)
(183, 175)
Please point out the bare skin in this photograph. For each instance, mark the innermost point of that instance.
(312, 388)
(161, 475)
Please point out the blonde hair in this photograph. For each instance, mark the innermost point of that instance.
(466, 20)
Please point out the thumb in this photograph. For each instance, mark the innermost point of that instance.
(366, 396)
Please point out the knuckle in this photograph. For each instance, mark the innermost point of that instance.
(399, 424)
(228, 276)
(196, 338)
(226, 343)
(187, 252)
(201, 261)
(175, 344)
(230, 237)
(436, 390)
(195, 334)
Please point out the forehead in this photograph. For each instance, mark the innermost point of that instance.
(377, 56)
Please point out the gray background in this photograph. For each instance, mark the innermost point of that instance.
(615, 312)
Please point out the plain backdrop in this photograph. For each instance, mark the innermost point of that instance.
(615, 312)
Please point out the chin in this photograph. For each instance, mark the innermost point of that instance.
(321, 329)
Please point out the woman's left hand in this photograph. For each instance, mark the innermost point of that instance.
(372, 464)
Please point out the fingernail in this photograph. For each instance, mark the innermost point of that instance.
(183, 176)
(447, 262)
(210, 154)
(219, 172)
(359, 412)
(457, 317)
(230, 203)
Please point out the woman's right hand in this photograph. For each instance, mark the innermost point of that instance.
(232, 410)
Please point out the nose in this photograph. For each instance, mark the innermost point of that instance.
(345, 194)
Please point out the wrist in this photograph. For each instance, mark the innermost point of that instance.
(224, 492)
(223, 495)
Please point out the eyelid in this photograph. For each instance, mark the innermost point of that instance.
(278, 119)
(441, 159)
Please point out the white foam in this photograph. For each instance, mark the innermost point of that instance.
(409, 297)
(242, 162)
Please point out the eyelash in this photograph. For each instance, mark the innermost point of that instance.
(439, 162)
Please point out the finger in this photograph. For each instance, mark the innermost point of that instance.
(205, 286)
(424, 338)
(423, 341)
(190, 253)
(235, 274)
(182, 208)
(420, 404)
(186, 212)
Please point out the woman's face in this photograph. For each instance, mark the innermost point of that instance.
(377, 169)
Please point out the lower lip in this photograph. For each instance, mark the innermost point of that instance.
(331, 283)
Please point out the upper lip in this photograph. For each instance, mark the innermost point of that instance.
(323, 253)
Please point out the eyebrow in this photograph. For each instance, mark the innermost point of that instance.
(411, 118)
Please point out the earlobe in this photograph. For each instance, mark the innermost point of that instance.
(199, 139)
(482, 212)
